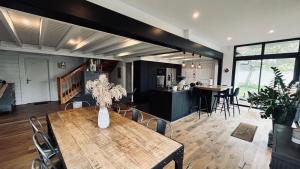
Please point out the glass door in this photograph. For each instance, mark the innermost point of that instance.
(247, 73)
(286, 66)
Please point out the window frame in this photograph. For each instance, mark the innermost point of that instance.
(263, 56)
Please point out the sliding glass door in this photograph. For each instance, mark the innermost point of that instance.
(246, 78)
(252, 65)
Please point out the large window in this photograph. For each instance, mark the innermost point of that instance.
(250, 50)
(282, 47)
(253, 64)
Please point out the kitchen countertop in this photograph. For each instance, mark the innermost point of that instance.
(216, 88)
(169, 90)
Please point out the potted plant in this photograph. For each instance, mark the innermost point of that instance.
(103, 92)
(277, 101)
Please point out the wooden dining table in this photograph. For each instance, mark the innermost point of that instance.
(125, 144)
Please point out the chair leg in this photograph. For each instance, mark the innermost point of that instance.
(224, 109)
(237, 102)
(213, 106)
(233, 107)
(226, 105)
(199, 106)
(206, 105)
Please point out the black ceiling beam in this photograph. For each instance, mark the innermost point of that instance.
(87, 14)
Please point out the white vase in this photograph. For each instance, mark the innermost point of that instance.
(103, 118)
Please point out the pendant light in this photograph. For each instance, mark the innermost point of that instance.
(192, 65)
(183, 63)
(199, 66)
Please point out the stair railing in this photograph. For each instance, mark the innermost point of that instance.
(70, 84)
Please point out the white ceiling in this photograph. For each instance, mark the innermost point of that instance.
(246, 21)
(20, 31)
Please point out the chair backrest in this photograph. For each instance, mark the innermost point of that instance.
(38, 164)
(36, 125)
(77, 104)
(161, 126)
(225, 92)
(136, 115)
(116, 107)
(44, 147)
(236, 91)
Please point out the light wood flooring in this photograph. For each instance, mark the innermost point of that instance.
(207, 141)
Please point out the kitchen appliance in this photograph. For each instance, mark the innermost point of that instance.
(165, 77)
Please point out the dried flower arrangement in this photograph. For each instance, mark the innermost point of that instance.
(103, 91)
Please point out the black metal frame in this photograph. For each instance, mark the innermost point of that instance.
(176, 156)
(263, 56)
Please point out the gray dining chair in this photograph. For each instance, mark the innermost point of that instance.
(77, 104)
(37, 126)
(136, 115)
(45, 150)
(161, 126)
(38, 164)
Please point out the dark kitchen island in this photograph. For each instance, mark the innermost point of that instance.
(170, 105)
(173, 105)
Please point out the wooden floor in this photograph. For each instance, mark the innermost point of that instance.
(207, 141)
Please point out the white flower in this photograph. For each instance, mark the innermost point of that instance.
(103, 91)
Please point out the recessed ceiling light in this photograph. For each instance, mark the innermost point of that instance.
(123, 54)
(26, 21)
(229, 38)
(196, 15)
(271, 31)
(72, 42)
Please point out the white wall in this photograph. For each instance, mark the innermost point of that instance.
(206, 72)
(12, 70)
(227, 63)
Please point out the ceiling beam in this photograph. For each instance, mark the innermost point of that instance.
(4, 17)
(88, 14)
(148, 53)
(115, 47)
(42, 32)
(105, 42)
(67, 36)
(140, 46)
(94, 37)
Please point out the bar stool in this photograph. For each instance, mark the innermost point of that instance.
(225, 103)
(201, 98)
(234, 95)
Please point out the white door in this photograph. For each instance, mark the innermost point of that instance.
(36, 85)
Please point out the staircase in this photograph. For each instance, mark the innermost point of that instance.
(72, 83)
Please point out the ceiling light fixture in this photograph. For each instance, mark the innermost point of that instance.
(123, 54)
(183, 64)
(72, 42)
(26, 21)
(271, 31)
(229, 38)
(192, 65)
(199, 66)
(196, 15)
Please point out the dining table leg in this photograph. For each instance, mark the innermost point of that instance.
(179, 158)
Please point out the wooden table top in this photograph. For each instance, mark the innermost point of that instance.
(215, 88)
(125, 144)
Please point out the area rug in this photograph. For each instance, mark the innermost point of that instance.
(245, 132)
